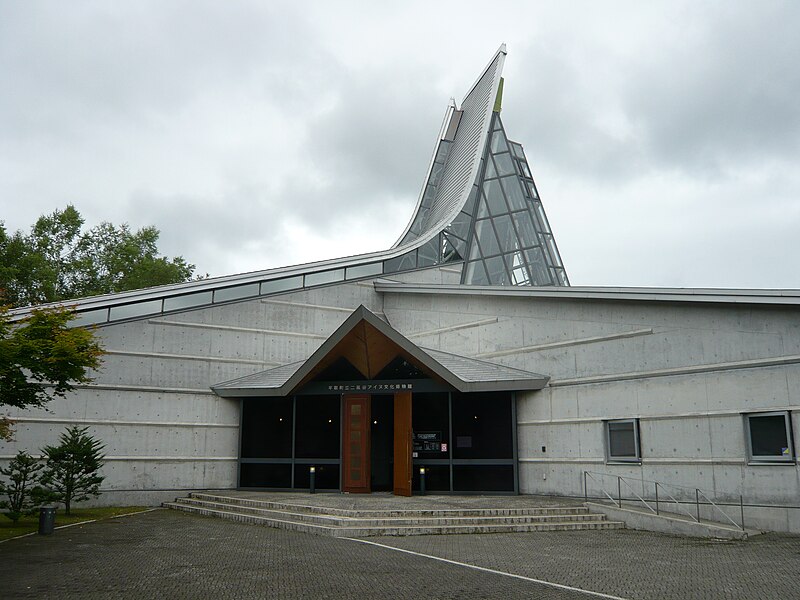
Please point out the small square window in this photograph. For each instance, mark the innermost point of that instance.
(622, 441)
(769, 437)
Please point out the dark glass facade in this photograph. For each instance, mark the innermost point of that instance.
(281, 438)
(465, 442)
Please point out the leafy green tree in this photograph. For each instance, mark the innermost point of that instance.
(71, 474)
(21, 490)
(37, 266)
(114, 259)
(58, 261)
(41, 357)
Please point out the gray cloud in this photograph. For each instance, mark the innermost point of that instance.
(726, 93)
(663, 136)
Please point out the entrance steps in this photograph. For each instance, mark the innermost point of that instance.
(428, 520)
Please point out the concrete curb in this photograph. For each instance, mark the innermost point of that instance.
(668, 523)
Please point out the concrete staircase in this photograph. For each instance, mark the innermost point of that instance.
(346, 522)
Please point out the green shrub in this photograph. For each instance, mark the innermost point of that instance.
(22, 490)
(71, 474)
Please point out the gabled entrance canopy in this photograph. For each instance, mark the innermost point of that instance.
(370, 344)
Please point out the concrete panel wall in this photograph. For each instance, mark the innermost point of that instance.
(165, 432)
(692, 428)
(673, 336)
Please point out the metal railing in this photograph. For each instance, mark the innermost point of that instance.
(656, 501)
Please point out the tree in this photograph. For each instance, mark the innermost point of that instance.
(56, 261)
(71, 474)
(36, 266)
(113, 259)
(22, 492)
(41, 357)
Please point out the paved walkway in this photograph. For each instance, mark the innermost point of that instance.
(166, 554)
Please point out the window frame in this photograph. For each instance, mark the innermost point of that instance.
(637, 459)
(759, 460)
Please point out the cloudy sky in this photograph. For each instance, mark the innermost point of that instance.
(664, 136)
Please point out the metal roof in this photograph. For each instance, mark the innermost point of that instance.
(462, 166)
(462, 373)
(487, 375)
(790, 297)
(271, 378)
(465, 155)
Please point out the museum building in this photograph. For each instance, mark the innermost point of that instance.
(462, 352)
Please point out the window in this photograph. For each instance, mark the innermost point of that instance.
(622, 441)
(248, 290)
(138, 309)
(324, 277)
(769, 437)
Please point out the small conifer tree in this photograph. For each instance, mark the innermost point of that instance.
(71, 474)
(22, 492)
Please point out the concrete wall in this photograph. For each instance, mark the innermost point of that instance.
(688, 372)
(165, 432)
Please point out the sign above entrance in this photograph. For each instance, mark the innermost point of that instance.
(373, 386)
(370, 387)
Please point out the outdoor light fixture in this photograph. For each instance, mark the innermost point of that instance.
(330, 420)
(422, 480)
(312, 475)
(375, 422)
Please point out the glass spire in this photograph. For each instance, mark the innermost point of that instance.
(510, 241)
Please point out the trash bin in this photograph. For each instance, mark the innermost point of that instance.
(47, 520)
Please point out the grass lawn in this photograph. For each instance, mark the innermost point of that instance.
(9, 529)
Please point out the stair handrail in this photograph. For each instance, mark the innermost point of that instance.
(642, 500)
(678, 505)
(698, 492)
(620, 480)
(602, 489)
(724, 514)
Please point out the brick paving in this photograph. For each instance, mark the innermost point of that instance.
(633, 564)
(166, 554)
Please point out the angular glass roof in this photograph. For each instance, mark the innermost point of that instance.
(501, 231)
(510, 241)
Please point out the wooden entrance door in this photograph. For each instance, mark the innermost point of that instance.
(402, 444)
(356, 450)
